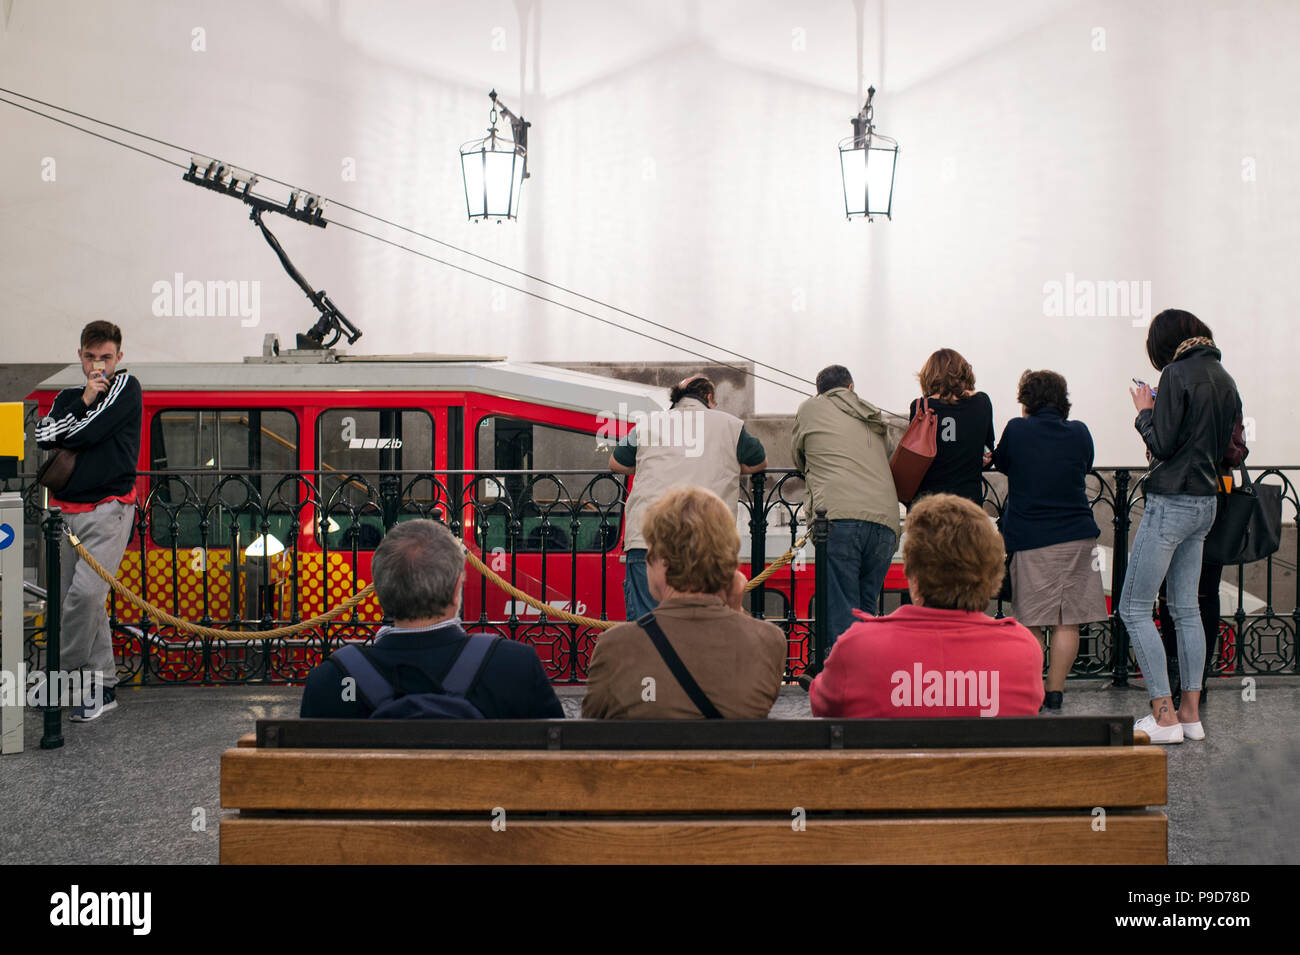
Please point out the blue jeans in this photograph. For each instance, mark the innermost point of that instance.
(636, 589)
(860, 553)
(1168, 547)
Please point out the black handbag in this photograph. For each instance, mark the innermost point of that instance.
(56, 471)
(1247, 525)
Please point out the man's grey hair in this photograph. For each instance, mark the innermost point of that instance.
(833, 376)
(415, 568)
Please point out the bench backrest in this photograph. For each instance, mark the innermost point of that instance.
(786, 735)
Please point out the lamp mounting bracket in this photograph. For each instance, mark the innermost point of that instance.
(518, 127)
(862, 125)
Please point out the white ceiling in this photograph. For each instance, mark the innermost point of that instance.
(584, 41)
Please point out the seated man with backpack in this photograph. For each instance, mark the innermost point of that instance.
(426, 666)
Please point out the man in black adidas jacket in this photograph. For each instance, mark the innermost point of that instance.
(419, 572)
(101, 423)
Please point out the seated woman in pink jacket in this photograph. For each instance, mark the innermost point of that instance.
(942, 655)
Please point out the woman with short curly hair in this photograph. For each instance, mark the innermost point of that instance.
(1047, 523)
(943, 655)
(735, 661)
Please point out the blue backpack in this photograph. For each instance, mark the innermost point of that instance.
(446, 702)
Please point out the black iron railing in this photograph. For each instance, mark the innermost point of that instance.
(195, 554)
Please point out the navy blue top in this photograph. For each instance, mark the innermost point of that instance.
(1046, 460)
(511, 685)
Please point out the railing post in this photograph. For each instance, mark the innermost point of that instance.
(821, 532)
(52, 737)
(757, 539)
(1295, 613)
(390, 493)
(1119, 643)
(142, 528)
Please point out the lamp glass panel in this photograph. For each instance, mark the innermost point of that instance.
(880, 179)
(472, 166)
(853, 163)
(502, 175)
(517, 173)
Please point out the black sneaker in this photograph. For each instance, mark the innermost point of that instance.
(805, 681)
(87, 711)
(1052, 701)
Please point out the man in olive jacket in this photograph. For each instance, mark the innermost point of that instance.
(839, 445)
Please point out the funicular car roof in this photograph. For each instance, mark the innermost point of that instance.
(542, 384)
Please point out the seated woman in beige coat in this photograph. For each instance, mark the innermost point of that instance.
(707, 659)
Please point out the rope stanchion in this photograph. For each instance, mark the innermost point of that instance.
(199, 630)
(581, 621)
(777, 564)
(532, 601)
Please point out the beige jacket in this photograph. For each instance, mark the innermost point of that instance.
(692, 445)
(736, 659)
(839, 445)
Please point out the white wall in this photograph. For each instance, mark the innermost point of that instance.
(681, 180)
(1117, 165)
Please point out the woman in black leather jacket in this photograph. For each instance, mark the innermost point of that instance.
(1187, 424)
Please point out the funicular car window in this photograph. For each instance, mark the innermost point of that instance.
(248, 452)
(354, 447)
(545, 507)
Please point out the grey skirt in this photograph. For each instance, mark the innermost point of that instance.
(1058, 585)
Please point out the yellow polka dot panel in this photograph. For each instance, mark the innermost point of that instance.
(195, 570)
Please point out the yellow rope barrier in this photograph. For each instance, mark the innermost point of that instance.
(198, 629)
(186, 627)
(777, 564)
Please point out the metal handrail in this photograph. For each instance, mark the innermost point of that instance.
(1263, 637)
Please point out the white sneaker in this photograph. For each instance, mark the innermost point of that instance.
(1193, 730)
(1158, 733)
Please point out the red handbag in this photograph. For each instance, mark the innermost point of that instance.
(915, 452)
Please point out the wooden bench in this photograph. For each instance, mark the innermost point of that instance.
(1007, 790)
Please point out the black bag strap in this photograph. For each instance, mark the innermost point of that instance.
(468, 664)
(650, 625)
(374, 688)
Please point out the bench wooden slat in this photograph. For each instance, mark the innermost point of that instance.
(706, 782)
(1130, 838)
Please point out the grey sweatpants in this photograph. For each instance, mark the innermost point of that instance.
(85, 642)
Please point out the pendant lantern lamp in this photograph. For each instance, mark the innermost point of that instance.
(495, 168)
(867, 162)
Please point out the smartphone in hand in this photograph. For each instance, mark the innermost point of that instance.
(97, 366)
(1140, 383)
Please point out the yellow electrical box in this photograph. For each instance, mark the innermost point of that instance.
(11, 429)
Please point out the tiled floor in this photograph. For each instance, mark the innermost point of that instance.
(141, 783)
